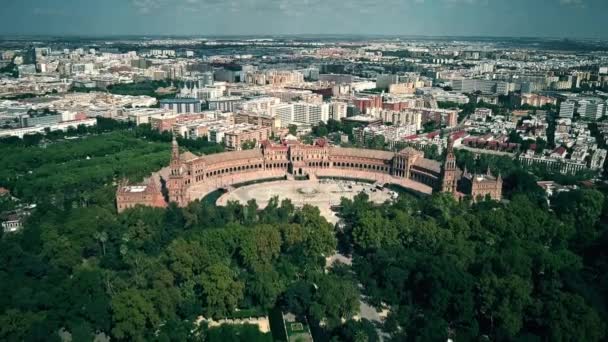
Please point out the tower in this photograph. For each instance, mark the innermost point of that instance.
(175, 158)
(176, 184)
(450, 171)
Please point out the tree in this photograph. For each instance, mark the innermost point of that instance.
(569, 318)
(334, 299)
(320, 239)
(265, 286)
(293, 129)
(180, 330)
(134, 315)
(503, 301)
(376, 143)
(221, 291)
(249, 144)
(260, 247)
(433, 153)
(373, 231)
(541, 145)
(298, 298)
(356, 331)
(429, 126)
(583, 208)
(320, 130)
(16, 325)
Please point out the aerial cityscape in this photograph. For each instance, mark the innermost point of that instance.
(289, 171)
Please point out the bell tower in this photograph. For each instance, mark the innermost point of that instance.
(450, 171)
(176, 184)
(175, 159)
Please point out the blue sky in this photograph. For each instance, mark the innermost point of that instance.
(531, 18)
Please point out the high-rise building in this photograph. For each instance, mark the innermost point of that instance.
(40, 120)
(141, 63)
(205, 79)
(566, 109)
(591, 109)
(337, 110)
(260, 104)
(209, 93)
(181, 105)
(284, 111)
(484, 86)
(225, 104)
(399, 118)
(309, 113)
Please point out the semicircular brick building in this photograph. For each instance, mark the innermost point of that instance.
(192, 177)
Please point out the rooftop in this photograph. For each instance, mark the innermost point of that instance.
(361, 153)
(179, 100)
(135, 188)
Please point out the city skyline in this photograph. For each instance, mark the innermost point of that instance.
(480, 18)
(303, 170)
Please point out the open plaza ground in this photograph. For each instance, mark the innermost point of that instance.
(323, 193)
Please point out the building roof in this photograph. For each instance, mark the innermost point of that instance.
(409, 150)
(560, 150)
(361, 153)
(458, 135)
(481, 178)
(321, 142)
(180, 100)
(187, 156)
(229, 156)
(135, 188)
(428, 164)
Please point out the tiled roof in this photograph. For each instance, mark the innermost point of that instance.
(187, 156)
(428, 164)
(229, 156)
(360, 153)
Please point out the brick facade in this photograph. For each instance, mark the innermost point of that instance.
(147, 194)
(462, 184)
(293, 158)
(191, 177)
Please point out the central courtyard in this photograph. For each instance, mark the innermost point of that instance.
(323, 193)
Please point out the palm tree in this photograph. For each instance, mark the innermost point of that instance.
(103, 238)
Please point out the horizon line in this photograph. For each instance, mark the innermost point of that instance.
(307, 35)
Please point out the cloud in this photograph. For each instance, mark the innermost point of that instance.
(288, 7)
(51, 12)
(573, 3)
(147, 6)
(298, 8)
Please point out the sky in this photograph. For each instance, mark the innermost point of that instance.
(511, 18)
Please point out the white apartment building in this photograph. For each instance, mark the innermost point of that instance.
(225, 104)
(309, 113)
(485, 86)
(337, 110)
(402, 118)
(209, 93)
(285, 111)
(260, 104)
(591, 109)
(566, 109)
